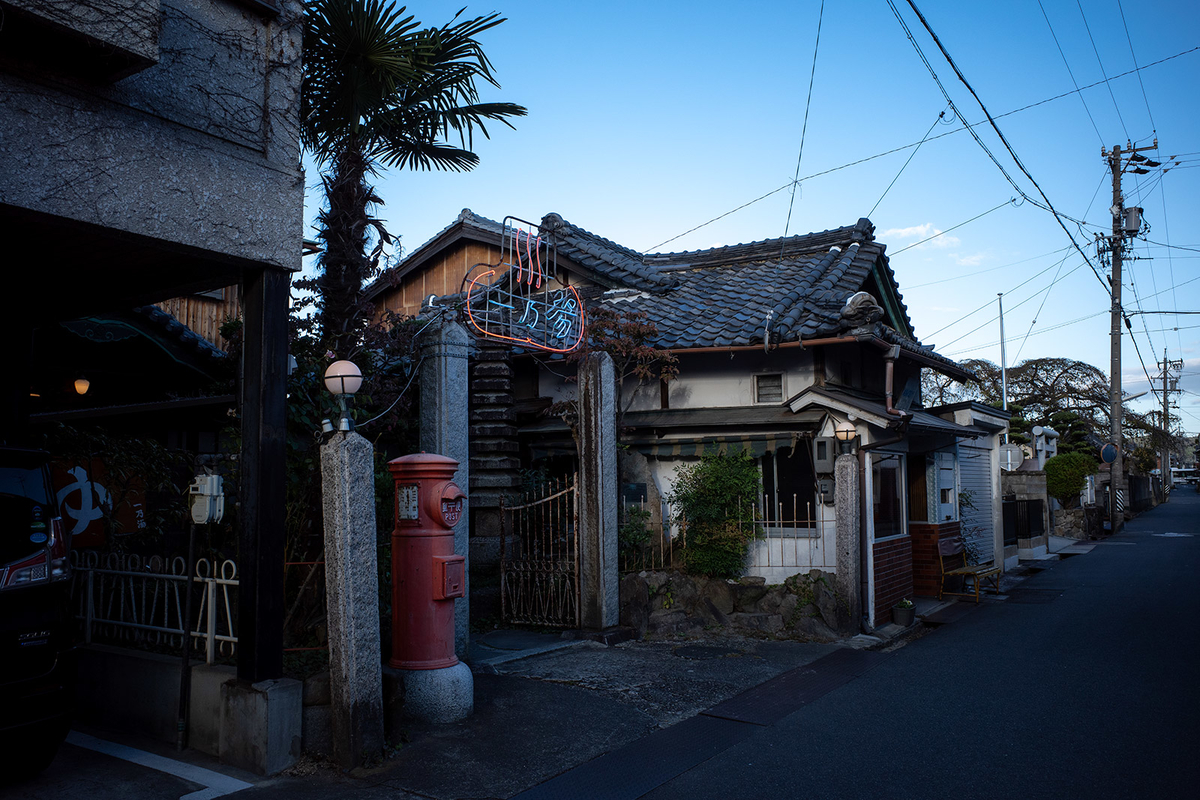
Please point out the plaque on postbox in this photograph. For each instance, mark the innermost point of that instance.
(406, 502)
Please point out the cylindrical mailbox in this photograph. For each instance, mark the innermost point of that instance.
(426, 573)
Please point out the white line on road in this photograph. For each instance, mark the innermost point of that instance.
(215, 784)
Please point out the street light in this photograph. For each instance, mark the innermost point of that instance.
(846, 433)
(343, 379)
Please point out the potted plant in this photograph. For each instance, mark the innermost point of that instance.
(904, 612)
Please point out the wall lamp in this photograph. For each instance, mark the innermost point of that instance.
(846, 433)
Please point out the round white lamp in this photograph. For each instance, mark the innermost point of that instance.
(846, 433)
(343, 379)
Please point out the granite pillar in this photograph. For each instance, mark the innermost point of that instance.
(445, 423)
(352, 598)
(599, 589)
(848, 535)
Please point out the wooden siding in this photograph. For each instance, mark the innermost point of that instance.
(441, 276)
(205, 315)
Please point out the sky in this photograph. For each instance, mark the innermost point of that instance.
(649, 119)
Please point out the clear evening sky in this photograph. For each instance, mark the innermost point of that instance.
(647, 119)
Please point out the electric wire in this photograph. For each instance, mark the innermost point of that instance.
(1045, 297)
(1096, 50)
(804, 129)
(1095, 127)
(996, 128)
(908, 161)
(1129, 39)
(1011, 308)
(964, 276)
(1049, 329)
(966, 126)
(1010, 201)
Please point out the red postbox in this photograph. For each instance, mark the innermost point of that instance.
(426, 573)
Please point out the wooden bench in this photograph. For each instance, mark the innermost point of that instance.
(952, 558)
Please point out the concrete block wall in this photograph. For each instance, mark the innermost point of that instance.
(893, 575)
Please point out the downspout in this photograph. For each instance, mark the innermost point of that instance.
(890, 357)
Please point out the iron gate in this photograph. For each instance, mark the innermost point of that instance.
(539, 557)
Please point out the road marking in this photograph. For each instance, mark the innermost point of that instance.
(1128, 543)
(215, 784)
(1170, 535)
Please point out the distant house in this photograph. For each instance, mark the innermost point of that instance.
(778, 341)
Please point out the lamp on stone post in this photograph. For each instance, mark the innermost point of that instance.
(846, 433)
(343, 379)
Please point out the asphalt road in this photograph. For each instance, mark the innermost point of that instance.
(1083, 684)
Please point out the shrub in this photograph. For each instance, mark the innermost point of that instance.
(1066, 475)
(716, 498)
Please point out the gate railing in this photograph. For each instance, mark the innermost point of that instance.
(539, 557)
(121, 599)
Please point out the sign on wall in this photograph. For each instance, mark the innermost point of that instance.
(524, 299)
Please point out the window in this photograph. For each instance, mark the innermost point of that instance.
(768, 388)
(787, 483)
(887, 494)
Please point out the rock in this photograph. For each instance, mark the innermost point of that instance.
(770, 602)
(788, 607)
(764, 623)
(827, 604)
(686, 592)
(316, 690)
(720, 594)
(666, 622)
(656, 580)
(747, 592)
(711, 613)
(635, 604)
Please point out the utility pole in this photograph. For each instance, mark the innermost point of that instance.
(1124, 223)
(1170, 385)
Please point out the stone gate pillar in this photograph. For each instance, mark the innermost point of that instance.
(445, 422)
(848, 546)
(599, 598)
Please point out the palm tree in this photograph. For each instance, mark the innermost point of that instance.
(380, 91)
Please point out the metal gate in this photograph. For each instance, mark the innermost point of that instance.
(539, 557)
(1023, 519)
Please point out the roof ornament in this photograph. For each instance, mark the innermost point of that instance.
(523, 299)
(767, 331)
(860, 313)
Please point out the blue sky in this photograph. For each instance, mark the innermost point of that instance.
(647, 119)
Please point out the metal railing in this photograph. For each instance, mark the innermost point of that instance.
(790, 538)
(123, 599)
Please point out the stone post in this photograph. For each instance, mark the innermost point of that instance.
(849, 535)
(599, 590)
(445, 424)
(352, 598)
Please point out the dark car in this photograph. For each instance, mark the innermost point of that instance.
(37, 642)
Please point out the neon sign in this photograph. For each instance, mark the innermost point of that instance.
(523, 299)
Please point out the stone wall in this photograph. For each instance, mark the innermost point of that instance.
(664, 603)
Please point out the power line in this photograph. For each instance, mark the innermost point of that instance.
(1010, 201)
(1101, 63)
(964, 276)
(804, 129)
(1039, 333)
(1072, 74)
(908, 161)
(1129, 39)
(1007, 146)
(1045, 297)
(966, 126)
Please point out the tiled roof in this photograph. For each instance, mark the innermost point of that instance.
(789, 288)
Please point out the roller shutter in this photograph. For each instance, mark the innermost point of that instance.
(975, 473)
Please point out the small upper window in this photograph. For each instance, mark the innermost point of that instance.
(768, 388)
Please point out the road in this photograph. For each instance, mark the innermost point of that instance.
(1082, 683)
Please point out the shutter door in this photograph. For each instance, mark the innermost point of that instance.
(975, 472)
